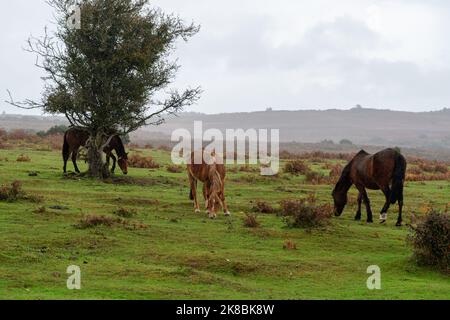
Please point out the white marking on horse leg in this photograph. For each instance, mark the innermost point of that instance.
(227, 214)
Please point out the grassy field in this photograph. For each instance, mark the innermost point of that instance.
(167, 252)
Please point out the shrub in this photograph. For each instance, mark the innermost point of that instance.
(18, 134)
(414, 170)
(441, 168)
(164, 148)
(11, 193)
(263, 207)
(315, 177)
(296, 167)
(336, 170)
(427, 167)
(290, 207)
(138, 161)
(125, 213)
(175, 169)
(304, 214)
(54, 141)
(23, 158)
(251, 221)
(430, 240)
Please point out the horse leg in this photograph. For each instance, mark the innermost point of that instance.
(367, 203)
(383, 214)
(205, 196)
(224, 202)
(74, 160)
(114, 159)
(66, 156)
(358, 213)
(193, 183)
(400, 211)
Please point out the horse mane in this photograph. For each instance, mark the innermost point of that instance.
(362, 152)
(344, 180)
(215, 180)
(120, 147)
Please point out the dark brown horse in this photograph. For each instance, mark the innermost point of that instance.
(213, 178)
(383, 171)
(76, 138)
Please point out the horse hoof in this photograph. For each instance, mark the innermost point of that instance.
(399, 224)
(357, 218)
(382, 221)
(369, 221)
(227, 214)
(197, 211)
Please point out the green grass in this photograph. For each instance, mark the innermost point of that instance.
(182, 255)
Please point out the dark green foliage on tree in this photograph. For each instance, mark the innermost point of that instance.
(112, 75)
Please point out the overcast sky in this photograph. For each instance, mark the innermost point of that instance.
(284, 54)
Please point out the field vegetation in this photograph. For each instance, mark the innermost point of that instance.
(137, 236)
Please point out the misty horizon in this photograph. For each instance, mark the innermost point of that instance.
(285, 55)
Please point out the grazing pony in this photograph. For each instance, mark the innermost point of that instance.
(383, 171)
(213, 178)
(75, 138)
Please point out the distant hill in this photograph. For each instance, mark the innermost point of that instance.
(359, 125)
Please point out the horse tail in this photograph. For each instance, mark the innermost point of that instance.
(398, 178)
(191, 176)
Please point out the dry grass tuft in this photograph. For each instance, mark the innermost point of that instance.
(263, 207)
(296, 167)
(23, 158)
(138, 161)
(175, 169)
(290, 245)
(125, 213)
(251, 221)
(305, 213)
(12, 192)
(92, 221)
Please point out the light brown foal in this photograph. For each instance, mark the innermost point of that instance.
(213, 178)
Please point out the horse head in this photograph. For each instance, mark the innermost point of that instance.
(340, 201)
(123, 163)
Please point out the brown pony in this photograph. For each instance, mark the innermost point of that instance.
(383, 171)
(75, 138)
(213, 178)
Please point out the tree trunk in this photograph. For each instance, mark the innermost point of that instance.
(98, 167)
